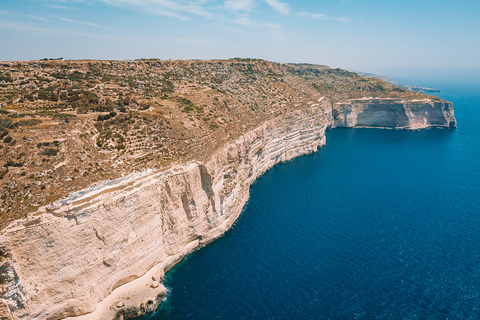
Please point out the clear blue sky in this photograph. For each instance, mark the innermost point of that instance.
(351, 34)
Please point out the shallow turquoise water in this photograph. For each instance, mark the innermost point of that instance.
(379, 224)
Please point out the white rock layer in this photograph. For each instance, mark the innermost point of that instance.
(102, 253)
(392, 113)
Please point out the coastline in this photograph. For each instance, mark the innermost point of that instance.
(201, 201)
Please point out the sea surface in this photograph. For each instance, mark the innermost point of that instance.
(378, 224)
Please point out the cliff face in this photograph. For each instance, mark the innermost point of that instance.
(102, 253)
(63, 260)
(394, 113)
(71, 123)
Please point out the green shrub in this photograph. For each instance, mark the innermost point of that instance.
(11, 163)
(75, 75)
(50, 152)
(188, 108)
(104, 117)
(5, 124)
(6, 78)
(3, 172)
(58, 75)
(28, 123)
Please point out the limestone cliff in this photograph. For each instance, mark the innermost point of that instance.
(101, 253)
(394, 113)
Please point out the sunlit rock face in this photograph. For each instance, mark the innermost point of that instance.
(102, 253)
(392, 113)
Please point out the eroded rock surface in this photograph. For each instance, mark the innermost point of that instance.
(71, 255)
(102, 253)
(394, 113)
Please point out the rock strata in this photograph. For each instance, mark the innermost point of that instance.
(101, 253)
(393, 113)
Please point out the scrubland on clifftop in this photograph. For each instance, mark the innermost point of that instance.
(65, 125)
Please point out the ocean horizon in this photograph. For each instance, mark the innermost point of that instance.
(378, 224)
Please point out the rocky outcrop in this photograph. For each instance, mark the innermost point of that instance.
(393, 113)
(102, 253)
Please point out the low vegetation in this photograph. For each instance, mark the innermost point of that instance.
(67, 124)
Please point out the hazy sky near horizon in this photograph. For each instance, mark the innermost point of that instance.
(351, 34)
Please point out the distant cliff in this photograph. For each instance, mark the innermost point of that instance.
(394, 113)
(101, 253)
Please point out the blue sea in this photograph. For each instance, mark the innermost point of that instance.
(378, 224)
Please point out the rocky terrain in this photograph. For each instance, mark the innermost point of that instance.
(112, 171)
(393, 82)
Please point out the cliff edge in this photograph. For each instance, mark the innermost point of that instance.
(101, 252)
(394, 113)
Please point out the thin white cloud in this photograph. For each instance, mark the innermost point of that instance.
(176, 9)
(321, 16)
(39, 18)
(85, 23)
(240, 5)
(162, 8)
(344, 20)
(58, 31)
(89, 35)
(276, 31)
(54, 6)
(181, 9)
(75, 1)
(4, 12)
(279, 6)
(244, 21)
